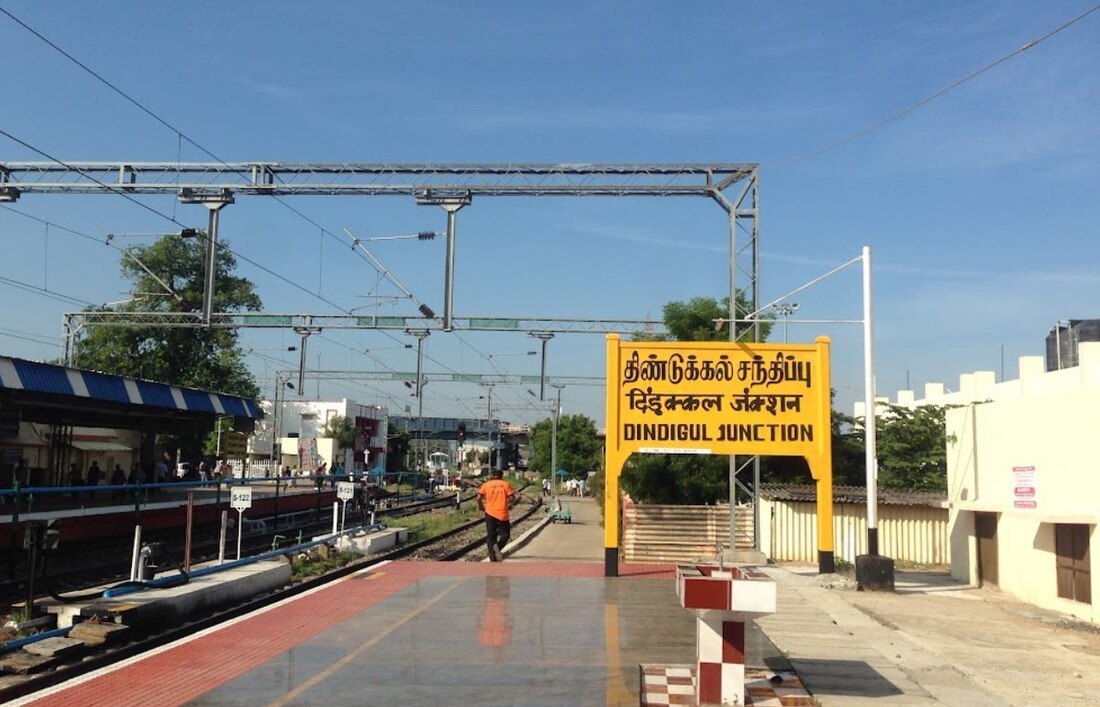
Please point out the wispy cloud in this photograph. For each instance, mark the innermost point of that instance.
(636, 236)
(639, 119)
(279, 92)
(299, 103)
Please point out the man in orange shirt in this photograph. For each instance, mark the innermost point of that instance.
(494, 498)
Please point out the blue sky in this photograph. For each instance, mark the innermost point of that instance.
(981, 207)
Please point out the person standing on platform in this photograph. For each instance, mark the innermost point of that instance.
(160, 473)
(225, 473)
(118, 478)
(94, 474)
(495, 498)
(75, 477)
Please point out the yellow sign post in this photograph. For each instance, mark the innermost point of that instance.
(718, 398)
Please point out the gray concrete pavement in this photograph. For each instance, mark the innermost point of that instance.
(932, 642)
(580, 540)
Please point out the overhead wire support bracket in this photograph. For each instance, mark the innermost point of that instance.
(264, 320)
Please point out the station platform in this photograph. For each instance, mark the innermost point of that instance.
(544, 627)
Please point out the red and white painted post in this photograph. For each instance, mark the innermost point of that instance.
(723, 600)
(720, 666)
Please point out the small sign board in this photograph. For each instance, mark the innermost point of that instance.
(345, 490)
(1023, 487)
(241, 498)
(234, 443)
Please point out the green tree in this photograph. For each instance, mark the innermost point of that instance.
(848, 457)
(397, 448)
(694, 320)
(689, 479)
(224, 425)
(205, 358)
(341, 430)
(912, 448)
(676, 478)
(578, 446)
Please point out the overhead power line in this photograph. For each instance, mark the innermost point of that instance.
(925, 101)
(180, 135)
(105, 82)
(108, 187)
(45, 292)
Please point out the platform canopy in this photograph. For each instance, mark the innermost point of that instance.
(31, 391)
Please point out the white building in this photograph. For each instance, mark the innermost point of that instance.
(298, 425)
(1023, 478)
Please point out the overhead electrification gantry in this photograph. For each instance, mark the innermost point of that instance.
(734, 186)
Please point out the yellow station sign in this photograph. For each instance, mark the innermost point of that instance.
(719, 398)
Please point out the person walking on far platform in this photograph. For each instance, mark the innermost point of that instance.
(495, 498)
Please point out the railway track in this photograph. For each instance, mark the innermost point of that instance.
(77, 566)
(465, 542)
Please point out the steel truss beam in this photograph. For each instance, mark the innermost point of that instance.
(258, 320)
(432, 181)
(480, 378)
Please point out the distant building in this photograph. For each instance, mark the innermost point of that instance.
(300, 423)
(1064, 338)
(1023, 496)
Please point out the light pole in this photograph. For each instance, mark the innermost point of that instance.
(785, 310)
(305, 333)
(544, 337)
(554, 437)
(420, 335)
(489, 419)
(276, 421)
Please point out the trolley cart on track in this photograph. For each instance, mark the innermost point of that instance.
(557, 511)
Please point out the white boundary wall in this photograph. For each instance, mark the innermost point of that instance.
(1046, 420)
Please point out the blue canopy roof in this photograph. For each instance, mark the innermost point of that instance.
(18, 374)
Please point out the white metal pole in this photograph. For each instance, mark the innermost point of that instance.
(335, 517)
(871, 459)
(137, 554)
(733, 315)
(240, 528)
(221, 537)
(344, 516)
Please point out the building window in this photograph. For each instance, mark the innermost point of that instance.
(1071, 548)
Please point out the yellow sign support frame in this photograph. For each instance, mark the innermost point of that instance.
(718, 398)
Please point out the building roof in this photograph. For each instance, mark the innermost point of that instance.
(75, 396)
(807, 493)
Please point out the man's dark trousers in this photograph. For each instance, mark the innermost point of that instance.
(497, 533)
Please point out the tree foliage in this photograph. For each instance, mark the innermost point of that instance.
(342, 430)
(689, 479)
(676, 478)
(578, 445)
(224, 426)
(911, 444)
(694, 320)
(208, 359)
(397, 448)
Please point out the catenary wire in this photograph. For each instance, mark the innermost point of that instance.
(179, 134)
(925, 101)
